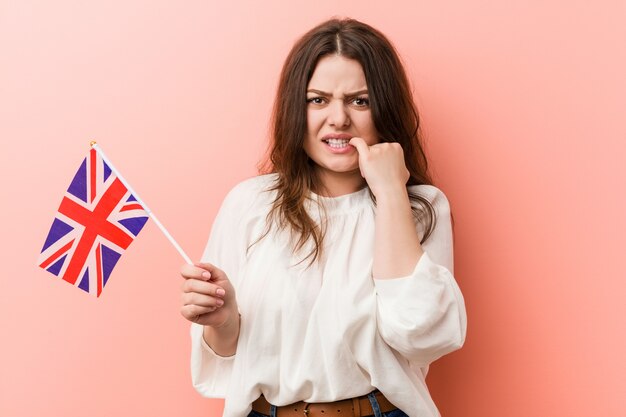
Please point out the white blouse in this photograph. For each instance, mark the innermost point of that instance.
(329, 331)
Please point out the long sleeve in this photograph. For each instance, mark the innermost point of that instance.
(210, 372)
(422, 316)
(327, 331)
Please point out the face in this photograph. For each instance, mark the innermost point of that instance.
(337, 110)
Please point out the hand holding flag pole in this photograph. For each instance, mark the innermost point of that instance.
(99, 217)
(167, 234)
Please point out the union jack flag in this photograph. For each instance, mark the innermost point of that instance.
(97, 220)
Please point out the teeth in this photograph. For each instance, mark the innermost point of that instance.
(337, 143)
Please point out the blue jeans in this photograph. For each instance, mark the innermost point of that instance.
(394, 413)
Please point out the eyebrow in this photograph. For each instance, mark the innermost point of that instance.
(323, 93)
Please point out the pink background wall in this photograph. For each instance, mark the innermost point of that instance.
(523, 106)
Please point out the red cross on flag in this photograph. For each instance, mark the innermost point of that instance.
(96, 222)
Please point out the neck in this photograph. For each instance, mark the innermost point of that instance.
(335, 184)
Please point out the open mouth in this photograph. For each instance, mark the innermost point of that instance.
(336, 143)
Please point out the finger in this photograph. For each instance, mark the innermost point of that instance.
(201, 300)
(191, 312)
(202, 287)
(360, 145)
(194, 272)
(211, 269)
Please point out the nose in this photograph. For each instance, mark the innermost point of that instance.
(337, 114)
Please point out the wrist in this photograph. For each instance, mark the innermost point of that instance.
(231, 322)
(223, 339)
(393, 196)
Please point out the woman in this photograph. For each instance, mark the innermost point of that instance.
(329, 280)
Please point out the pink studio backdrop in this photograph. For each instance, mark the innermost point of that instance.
(523, 107)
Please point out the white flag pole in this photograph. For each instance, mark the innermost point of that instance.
(180, 250)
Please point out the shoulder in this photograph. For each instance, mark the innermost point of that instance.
(252, 186)
(439, 227)
(251, 192)
(434, 195)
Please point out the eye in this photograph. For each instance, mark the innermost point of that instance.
(361, 101)
(315, 100)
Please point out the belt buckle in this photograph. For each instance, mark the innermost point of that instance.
(306, 409)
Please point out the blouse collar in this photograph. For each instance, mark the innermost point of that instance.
(343, 202)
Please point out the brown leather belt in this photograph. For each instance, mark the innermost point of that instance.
(359, 406)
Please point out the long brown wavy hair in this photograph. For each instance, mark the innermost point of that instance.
(393, 111)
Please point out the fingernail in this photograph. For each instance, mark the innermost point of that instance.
(220, 292)
(219, 302)
(206, 274)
